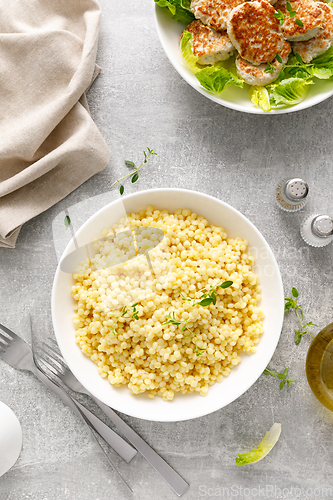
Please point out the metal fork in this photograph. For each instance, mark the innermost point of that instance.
(17, 353)
(55, 362)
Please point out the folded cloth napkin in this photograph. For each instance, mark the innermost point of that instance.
(49, 144)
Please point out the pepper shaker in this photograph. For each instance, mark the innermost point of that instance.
(291, 194)
(317, 230)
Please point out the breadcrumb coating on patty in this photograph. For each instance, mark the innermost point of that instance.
(310, 15)
(257, 75)
(255, 31)
(208, 45)
(214, 13)
(319, 44)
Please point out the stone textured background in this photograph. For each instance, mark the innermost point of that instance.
(138, 101)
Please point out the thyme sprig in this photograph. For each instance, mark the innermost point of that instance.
(173, 320)
(128, 314)
(135, 173)
(208, 297)
(280, 16)
(113, 332)
(292, 303)
(67, 221)
(281, 376)
(200, 350)
(270, 68)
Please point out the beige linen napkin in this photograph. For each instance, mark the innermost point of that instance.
(49, 144)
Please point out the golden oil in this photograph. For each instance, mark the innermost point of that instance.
(319, 366)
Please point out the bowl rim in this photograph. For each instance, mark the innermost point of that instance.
(201, 409)
(187, 75)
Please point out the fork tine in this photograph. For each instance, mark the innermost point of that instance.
(10, 334)
(42, 361)
(56, 356)
(57, 366)
(4, 340)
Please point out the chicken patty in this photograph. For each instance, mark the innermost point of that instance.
(258, 75)
(208, 45)
(308, 14)
(255, 31)
(317, 45)
(286, 49)
(214, 13)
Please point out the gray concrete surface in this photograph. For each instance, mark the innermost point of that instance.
(138, 101)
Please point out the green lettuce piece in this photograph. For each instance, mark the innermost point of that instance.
(180, 9)
(289, 92)
(297, 70)
(271, 437)
(186, 51)
(320, 67)
(216, 78)
(325, 58)
(260, 97)
(323, 65)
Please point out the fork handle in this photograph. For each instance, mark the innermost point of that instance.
(125, 450)
(177, 483)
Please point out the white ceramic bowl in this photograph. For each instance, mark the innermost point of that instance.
(10, 438)
(236, 98)
(189, 406)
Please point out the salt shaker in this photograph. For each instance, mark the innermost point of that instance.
(291, 194)
(317, 230)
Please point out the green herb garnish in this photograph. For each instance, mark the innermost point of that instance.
(280, 16)
(113, 332)
(127, 314)
(135, 174)
(292, 303)
(200, 350)
(67, 221)
(207, 298)
(281, 376)
(173, 320)
(270, 68)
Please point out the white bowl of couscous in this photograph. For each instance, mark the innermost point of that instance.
(134, 323)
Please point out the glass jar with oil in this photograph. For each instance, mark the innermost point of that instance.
(319, 366)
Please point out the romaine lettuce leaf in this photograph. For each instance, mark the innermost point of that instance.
(186, 51)
(216, 78)
(180, 9)
(260, 97)
(289, 92)
(271, 437)
(320, 67)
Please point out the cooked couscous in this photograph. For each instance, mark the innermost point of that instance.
(140, 314)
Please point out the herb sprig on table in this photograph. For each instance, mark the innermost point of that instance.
(67, 221)
(292, 303)
(281, 376)
(134, 173)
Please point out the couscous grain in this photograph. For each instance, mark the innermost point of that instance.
(124, 302)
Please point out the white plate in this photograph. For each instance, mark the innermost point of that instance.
(236, 98)
(189, 406)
